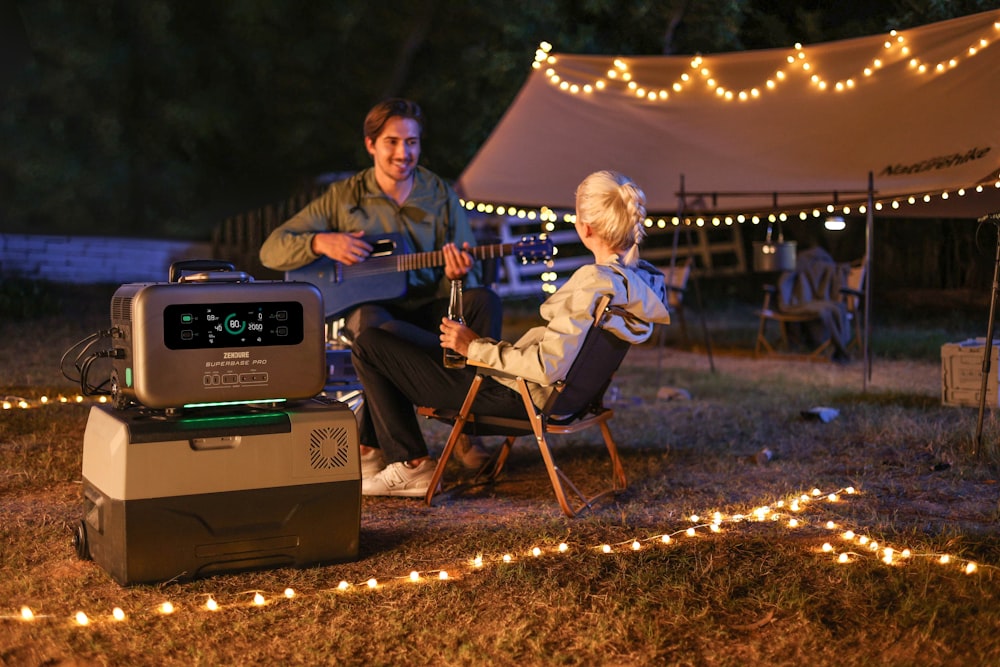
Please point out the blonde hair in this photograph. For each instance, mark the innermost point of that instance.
(615, 208)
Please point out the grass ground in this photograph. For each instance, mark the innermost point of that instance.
(751, 574)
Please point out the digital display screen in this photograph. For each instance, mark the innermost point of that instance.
(218, 325)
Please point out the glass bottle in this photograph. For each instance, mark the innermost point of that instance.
(453, 359)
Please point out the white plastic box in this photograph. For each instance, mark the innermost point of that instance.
(962, 373)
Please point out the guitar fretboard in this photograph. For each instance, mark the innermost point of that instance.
(426, 260)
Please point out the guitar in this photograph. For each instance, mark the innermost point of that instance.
(382, 276)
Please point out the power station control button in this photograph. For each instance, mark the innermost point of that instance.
(207, 380)
(187, 334)
(281, 315)
(230, 378)
(281, 331)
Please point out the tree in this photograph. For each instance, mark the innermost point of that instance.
(163, 117)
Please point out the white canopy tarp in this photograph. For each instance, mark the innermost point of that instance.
(918, 109)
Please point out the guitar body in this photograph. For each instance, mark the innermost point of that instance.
(344, 287)
(382, 277)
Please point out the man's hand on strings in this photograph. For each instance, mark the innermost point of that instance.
(457, 263)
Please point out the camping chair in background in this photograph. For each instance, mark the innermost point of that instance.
(676, 277)
(769, 312)
(853, 294)
(812, 298)
(576, 405)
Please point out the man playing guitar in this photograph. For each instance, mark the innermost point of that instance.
(394, 196)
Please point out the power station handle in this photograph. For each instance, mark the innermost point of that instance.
(177, 268)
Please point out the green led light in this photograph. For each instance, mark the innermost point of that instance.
(267, 417)
(128, 376)
(223, 403)
(229, 324)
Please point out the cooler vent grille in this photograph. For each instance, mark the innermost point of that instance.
(328, 448)
(121, 309)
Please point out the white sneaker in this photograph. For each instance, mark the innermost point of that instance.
(470, 452)
(400, 479)
(372, 463)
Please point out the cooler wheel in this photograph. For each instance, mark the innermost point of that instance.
(80, 541)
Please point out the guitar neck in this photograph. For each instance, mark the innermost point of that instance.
(426, 260)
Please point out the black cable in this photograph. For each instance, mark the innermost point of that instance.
(85, 356)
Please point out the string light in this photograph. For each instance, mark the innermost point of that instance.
(755, 217)
(17, 402)
(619, 79)
(891, 556)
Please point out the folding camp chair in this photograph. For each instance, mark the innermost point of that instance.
(676, 279)
(770, 313)
(576, 405)
(815, 299)
(853, 295)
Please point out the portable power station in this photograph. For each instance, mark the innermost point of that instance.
(216, 337)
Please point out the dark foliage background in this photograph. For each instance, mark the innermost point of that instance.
(162, 117)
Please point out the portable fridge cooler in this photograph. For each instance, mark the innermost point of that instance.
(220, 490)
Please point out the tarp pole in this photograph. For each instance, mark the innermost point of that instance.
(869, 238)
(701, 305)
(681, 205)
(977, 441)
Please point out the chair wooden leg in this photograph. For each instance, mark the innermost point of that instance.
(857, 342)
(456, 432)
(539, 429)
(786, 344)
(560, 482)
(762, 343)
(620, 483)
(501, 457)
(820, 352)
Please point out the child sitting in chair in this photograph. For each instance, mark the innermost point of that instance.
(397, 374)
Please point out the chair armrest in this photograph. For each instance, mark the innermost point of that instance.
(485, 369)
